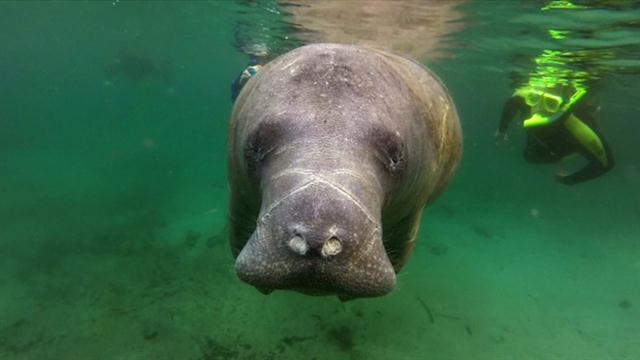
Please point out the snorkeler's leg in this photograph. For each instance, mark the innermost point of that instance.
(600, 158)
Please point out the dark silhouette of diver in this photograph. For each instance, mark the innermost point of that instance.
(137, 68)
(559, 122)
(261, 43)
(255, 64)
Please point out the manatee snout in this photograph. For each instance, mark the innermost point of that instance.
(317, 239)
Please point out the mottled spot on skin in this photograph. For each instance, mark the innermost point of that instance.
(291, 63)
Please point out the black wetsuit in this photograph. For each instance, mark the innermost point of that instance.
(551, 142)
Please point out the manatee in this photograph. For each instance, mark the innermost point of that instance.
(333, 152)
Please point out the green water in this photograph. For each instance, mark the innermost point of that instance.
(113, 197)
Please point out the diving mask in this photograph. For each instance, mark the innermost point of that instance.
(249, 72)
(545, 107)
(549, 102)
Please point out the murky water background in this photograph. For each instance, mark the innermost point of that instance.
(113, 188)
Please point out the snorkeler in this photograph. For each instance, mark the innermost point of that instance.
(255, 64)
(261, 42)
(248, 42)
(559, 122)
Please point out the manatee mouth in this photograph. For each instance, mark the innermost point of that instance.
(317, 241)
(364, 272)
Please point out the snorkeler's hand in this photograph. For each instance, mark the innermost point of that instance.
(501, 138)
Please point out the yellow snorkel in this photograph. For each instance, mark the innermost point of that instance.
(546, 106)
(536, 120)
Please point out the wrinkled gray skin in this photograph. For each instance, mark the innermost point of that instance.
(334, 150)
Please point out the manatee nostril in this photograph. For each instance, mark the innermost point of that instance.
(298, 245)
(331, 247)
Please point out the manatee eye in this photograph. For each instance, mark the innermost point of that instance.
(260, 143)
(390, 151)
(396, 158)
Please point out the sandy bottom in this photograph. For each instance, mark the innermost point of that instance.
(497, 274)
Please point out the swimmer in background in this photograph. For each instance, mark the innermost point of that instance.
(557, 106)
(559, 122)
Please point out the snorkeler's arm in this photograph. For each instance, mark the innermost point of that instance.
(235, 88)
(598, 163)
(510, 109)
